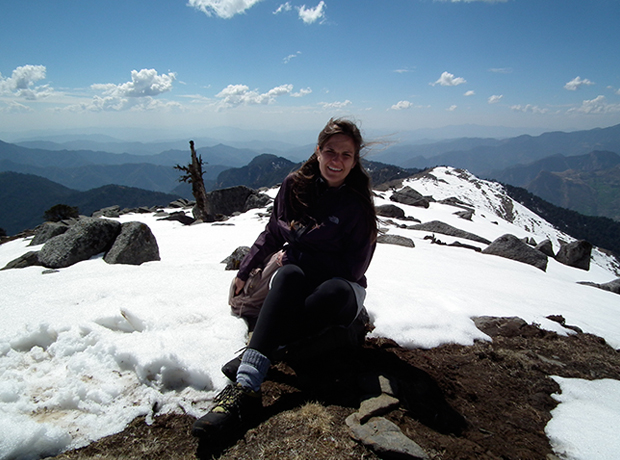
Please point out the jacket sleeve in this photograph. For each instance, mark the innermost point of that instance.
(271, 239)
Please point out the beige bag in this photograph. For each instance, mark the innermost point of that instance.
(248, 302)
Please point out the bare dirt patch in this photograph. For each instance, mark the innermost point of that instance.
(490, 400)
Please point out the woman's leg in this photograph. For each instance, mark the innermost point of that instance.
(279, 316)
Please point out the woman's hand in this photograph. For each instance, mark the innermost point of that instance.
(238, 285)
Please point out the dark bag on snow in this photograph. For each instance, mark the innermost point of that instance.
(249, 301)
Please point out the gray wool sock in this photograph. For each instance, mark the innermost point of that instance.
(253, 369)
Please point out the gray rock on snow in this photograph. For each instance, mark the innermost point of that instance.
(88, 237)
(576, 254)
(511, 247)
(134, 245)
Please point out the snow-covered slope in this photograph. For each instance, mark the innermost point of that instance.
(86, 349)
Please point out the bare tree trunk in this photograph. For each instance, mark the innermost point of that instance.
(193, 175)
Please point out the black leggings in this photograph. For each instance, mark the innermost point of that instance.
(294, 309)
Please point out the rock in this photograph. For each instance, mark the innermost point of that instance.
(612, 286)
(385, 438)
(234, 260)
(467, 215)
(390, 210)
(256, 200)
(379, 405)
(29, 259)
(409, 196)
(505, 326)
(48, 230)
(178, 216)
(396, 239)
(576, 254)
(437, 226)
(88, 237)
(511, 247)
(134, 245)
(546, 247)
(227, 201)
(181, 203)
(111, 211)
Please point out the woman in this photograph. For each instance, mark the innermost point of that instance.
(324, 222)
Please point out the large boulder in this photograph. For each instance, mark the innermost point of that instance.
(390, 210)
(227, 201)
(29, 259)
(48, 230)
(134, 245)
(546, 247)
(576, 254)
(411, 197)
(86, 238)
(511, 247)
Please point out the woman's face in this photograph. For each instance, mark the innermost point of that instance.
(336, 159)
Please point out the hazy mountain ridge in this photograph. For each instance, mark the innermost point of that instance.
(24, 198)
(485, 156)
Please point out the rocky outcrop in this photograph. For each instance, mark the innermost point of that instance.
(228, 201)
(134, 245)
(48, 230)
(411, 197)
(546, 247)
(131, 243)
(88, 237)
(511, 247)
(390, 210)
(381, 435)
(234, 260)
(576, 254)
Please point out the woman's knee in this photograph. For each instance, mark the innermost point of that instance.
(287, 276)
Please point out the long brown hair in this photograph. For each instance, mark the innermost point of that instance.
(305, 179)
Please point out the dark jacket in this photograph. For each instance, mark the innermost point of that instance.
(338, 244)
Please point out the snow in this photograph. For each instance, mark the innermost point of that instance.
(88, 348)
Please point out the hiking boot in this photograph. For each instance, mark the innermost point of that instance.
(231, 367)
(234, 406)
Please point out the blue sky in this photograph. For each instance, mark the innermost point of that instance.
(178, 65)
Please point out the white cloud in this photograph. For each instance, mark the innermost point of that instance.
(224, 9)
(528, 108)
(236, 95)
(310, 15)
(288, 58)
(577, 83)
(501, 70)
(22, 81)
(145, 82)
(402, 105)
(284, 7)
(302, 92)
(469, 93)
(597, 105)
(448, 79)
(452, 108)
(137, 94)
(15, 107)
(495, 98)
(335, 105)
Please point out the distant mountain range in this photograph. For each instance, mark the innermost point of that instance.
(578, 170)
